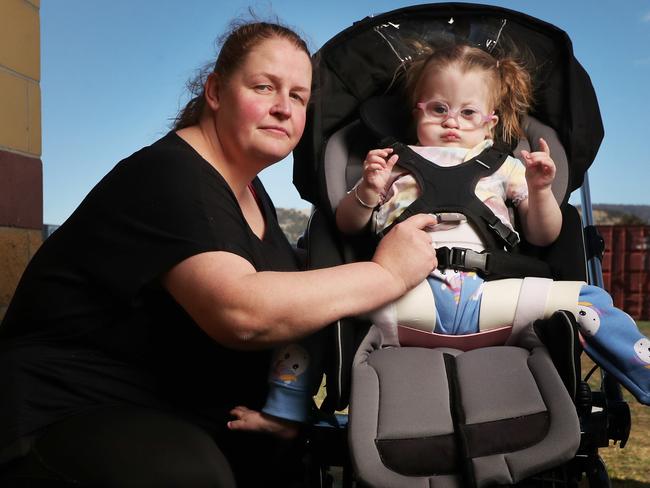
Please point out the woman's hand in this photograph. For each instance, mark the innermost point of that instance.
(253, 421)
(407, 252)
(540, 168)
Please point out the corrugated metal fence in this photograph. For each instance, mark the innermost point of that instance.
(626, 267)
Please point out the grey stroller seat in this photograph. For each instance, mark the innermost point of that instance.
(446, 418)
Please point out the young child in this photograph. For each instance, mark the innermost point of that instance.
(463, 98)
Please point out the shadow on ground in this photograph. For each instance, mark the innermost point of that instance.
(620, 483)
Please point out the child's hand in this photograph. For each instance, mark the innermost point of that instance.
(540, 168)
(376, 170)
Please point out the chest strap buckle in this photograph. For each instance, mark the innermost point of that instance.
(462, 259)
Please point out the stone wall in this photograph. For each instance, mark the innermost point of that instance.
(21, 178)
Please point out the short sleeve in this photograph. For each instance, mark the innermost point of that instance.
(155, 209)
(516, 186)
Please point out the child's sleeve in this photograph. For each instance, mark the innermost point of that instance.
(516, 186)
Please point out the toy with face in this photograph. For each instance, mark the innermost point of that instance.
(588, 319)
(642, 350)
(290, 362)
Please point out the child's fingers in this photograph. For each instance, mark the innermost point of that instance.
(544, 162)
(241, 423)
(375, 167)
(373, 159)
(239, 411)
(540, 166)
(543, 146)
(383, 153)
(538, 157)
(378, 157)
(391, 161)
(530, 161)
(549, 167)
(374, 164)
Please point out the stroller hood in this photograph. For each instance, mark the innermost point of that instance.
(368, 58)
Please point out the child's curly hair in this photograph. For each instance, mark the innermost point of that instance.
(511, 82)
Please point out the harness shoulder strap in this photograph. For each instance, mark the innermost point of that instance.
(452, 189)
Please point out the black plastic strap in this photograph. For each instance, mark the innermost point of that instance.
(458, 418)
(451, 189)
(492, 264)
(594, 242)
(510, 237)
(462, 259)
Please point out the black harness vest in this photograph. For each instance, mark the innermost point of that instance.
(452, 190)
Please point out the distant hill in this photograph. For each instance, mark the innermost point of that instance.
(614, 214)
(293, 222)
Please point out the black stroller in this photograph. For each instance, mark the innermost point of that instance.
(481, 425)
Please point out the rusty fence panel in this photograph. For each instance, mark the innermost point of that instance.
(626, 267)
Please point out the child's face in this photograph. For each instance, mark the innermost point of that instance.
(459, 91)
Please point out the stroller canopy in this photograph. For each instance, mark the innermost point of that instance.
(368, 59)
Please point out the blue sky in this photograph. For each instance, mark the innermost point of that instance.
(113, 75)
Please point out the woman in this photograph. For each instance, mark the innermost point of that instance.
(148, 315)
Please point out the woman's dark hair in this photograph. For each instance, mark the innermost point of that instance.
(236, 43)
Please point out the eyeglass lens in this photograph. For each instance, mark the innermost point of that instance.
(466, 116)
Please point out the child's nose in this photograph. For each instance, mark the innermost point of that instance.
(450, 121)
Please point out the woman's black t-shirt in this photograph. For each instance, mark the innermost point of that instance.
(90, 325)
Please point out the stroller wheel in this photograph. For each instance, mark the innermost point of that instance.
(599, 478)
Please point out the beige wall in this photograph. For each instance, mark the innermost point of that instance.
(21, 186)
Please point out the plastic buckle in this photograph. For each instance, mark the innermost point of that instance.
(462, 259)
(454, 217)
(504, 232)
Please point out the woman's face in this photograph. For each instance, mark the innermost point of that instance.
(261, 109)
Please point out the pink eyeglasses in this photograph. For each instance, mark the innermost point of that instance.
(466, 117)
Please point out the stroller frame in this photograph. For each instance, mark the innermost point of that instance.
(603, 414)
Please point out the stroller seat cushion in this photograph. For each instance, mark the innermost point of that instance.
(432, 413)
(488, 417)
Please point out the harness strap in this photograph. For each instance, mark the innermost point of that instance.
(449, 190)
(492, 264)
(531, 305)
(452, 189)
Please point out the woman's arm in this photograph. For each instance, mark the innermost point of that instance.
(242, 308)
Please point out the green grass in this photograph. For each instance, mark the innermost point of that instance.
(629, 467)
